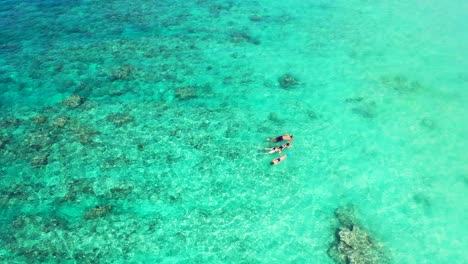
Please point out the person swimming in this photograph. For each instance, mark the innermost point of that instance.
(281, 138)
(278, 160)
(278, 149)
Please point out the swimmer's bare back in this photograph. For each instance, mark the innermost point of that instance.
(278, 160)
(281, 138)
(278, 149)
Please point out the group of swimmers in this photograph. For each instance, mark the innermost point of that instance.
(279, 149)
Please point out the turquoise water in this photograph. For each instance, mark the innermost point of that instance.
(172, 100)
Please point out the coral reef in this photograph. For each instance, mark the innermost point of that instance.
(40, 160)
(355, 246)
(401, 84)
(427, 123)
(288, 81)
(122, 73)
(40, 119)
(424, 201)
(240, 37)
(115, 162)
(256, 18)
(119, 119)
(73, 101)
(3, 141)
(365, 110)
(362, 107)
(40, 139)
(312, 115)
(275, 118)
(14, 195)
(121, 192)
(354, 99)
(61, 121)
(186, 92)
(50, 238)
(346, 215)
(216, 9)
(10, 123)
(78, 187)
(174, 168)
(352, 244)
(84, 134)
(98, 211)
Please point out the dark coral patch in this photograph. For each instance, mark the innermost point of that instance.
(98, 211)
(352, 244)
(288, 81)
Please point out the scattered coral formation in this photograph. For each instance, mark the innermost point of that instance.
(78, 188)
(40, 160)
(3, 141)
(119, 119)
(61, 121)
(288, 81)
(143, 175)
(352, 244)
(362, 107)
(41, 139)
(240, 37)
(73, 101)
(40, 119)
(428, 123)
(186, 92)
(275, 118)
(85, 134)
(122, 73)
(401, 84)
(98, 211)
(256, 18)
(121, 192)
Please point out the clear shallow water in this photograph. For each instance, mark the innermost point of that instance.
(378, 116)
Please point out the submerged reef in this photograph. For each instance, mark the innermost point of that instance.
(362, 107)
(61, 121)
(122, 73)
(73, 101)
(40, 238)
(40, 139)
(353, 245)
(85, 134)
(119, 119)
(98, 211)
(40, 119)
(32, 224)
(428, 123)
(66, 201)
(274, 118)
(3, 141)
(240, 37)
(311, 115)
(256, 18)
(78, 188)
(186, 92)
(120, 192)
(40, 160)
(401, 84)
(288, 81)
